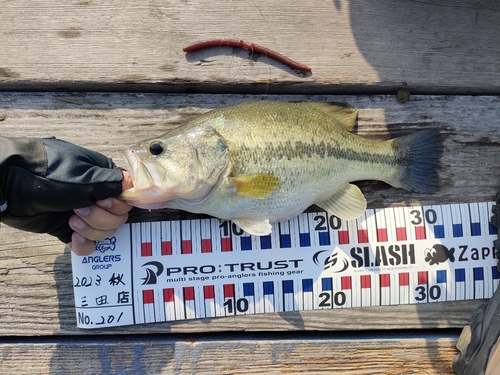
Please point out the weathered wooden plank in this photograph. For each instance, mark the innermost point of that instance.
(359, 47)
(339, 354)
(36, 295)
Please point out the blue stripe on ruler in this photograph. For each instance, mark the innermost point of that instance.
(326, 283)
(248, 290)
(458, 230)
(492, 229)
(285, 241)
(307, 285)
(495, 273)
(265, 242)
(478, 273)
(287, 286)
(441, 276)
(439, 231)
(246, 243)
(460, 275)
(268, 287)
(475, 229)
(305, 239)
(324, 238)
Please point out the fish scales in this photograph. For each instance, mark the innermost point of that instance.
(315, 141)
(268, 161)
(322, 150)
(308, 157)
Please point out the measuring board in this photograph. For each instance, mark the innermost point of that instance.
(205, 268)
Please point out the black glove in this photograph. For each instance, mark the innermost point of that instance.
(43, 180)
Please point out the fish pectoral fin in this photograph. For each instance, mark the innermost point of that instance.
(347, 203)
(343, 113)
(254, 226)
(256, 185)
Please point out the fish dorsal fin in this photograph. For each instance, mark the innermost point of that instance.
(347, 203)
(255, 185)
(254, 226)
(343, 113)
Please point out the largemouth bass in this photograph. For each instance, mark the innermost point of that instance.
(261, 162)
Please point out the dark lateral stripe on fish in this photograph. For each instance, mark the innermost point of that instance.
(301, 150)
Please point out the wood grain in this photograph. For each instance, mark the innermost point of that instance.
(366, 46)
(263, 354)
(36, 296)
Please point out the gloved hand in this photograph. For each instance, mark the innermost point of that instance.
(43, 180)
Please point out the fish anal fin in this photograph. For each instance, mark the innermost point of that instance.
(347, 203)
(256, 185)
(256, 227)
(343, 113)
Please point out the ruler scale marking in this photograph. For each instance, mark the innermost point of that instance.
(204, 268)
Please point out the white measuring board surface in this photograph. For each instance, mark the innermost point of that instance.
(205, 268)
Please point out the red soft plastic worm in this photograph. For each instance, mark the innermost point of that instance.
(248, 46)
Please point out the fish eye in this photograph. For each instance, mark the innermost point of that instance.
(156, 148)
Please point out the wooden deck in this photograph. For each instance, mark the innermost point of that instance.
(103, 74)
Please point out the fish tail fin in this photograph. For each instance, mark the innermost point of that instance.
(419, 155)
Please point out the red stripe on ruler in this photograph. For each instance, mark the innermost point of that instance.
(186, 247)
(404, 279)
(166, 248)
(346, 282)
(208, 292)
(226, 244)
(228, 290)
(343, 237)
(420, 233)
(206, 245)
(366, 281)
(362, 236)
(382, 235)
(385, 280)
(146, 249)
(401, 234)
(422, 277)
(148, 296)
(168, 295)
(189, 293)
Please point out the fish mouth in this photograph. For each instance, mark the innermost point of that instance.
(130, 164)
(136, 168)
(147, 177)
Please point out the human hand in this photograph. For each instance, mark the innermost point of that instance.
(43, 180)
(99, 221)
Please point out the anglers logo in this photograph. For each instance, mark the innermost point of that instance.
(105, 245)
(152, 273)
(332, 262)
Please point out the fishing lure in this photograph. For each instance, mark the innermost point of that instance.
(248, 46)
